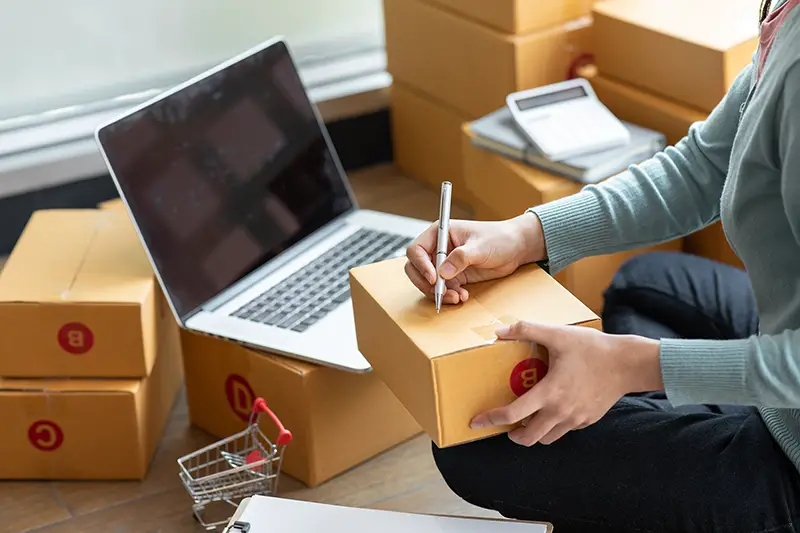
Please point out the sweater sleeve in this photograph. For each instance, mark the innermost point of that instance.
(671, 195)
(763, 370)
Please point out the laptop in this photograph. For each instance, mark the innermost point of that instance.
(245, 212)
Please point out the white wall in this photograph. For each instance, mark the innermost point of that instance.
(55, 53)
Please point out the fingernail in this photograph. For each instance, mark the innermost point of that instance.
(502, 331)
(447, 270)
(478, 422)
(432, 279)
(515, 436)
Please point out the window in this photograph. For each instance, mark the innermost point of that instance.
(67, 66)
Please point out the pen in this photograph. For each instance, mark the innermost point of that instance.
(443, 241)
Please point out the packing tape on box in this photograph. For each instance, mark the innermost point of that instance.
(44, 433)
(98, 225)
(487, 332)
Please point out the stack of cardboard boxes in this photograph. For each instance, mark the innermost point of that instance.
(338, 419)
(661, 65)
(504, 188)
(89, 351)
(456, 60)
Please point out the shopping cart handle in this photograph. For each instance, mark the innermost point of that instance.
(284, 435)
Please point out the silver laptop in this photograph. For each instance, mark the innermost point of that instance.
(245, 211)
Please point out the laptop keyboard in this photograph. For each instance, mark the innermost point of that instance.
(306, 297)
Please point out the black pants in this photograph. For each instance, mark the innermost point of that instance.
(646, 466)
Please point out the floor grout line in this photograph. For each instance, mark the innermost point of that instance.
(60, 500)
(103, 509)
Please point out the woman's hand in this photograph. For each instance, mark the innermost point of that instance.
(588, 372)
(480, 251)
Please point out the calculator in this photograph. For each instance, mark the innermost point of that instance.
(566, 119)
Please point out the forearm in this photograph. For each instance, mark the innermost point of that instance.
(669, 196)
(673, 194)
(762, 371)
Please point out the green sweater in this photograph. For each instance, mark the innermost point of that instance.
(741, 166)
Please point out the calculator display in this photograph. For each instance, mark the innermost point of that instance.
(556, 97)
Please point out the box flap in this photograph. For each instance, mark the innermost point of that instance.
(69, 385)
(529, 294)
(77, 256)
(734, 20)
(112, 205)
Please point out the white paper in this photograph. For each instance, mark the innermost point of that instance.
(278, 515)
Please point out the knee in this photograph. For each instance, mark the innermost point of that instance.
(457, 466)
(644, 270)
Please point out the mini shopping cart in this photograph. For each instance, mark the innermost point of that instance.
(242, 465)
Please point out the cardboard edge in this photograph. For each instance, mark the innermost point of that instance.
(355, 283)
(642, 96)
(311, 451)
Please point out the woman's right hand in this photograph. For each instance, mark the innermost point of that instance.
(478, 251)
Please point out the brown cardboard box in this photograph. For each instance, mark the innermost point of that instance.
(712, 243)
(426, 137)
(113, 204)
(88, 428)
(446, 368)
(82, 298)
(507, 188)
(519, 16)
(469, 66)
(667, 46)
(645, 109)
(338, 419)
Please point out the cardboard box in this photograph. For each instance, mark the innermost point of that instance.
(507, 188)
(112, 205)
(426, 138)
(519, 16)
(338, 419)
(94, 429)
(712, 243)
(646, 109)
(446, 368)
(481, 211)
(667, 47)
(82, 298)
(469, 66)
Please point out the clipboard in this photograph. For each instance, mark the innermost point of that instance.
(269, 514)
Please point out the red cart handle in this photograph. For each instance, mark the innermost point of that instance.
(284, 435)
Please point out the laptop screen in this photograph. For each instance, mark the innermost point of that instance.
(225, 174)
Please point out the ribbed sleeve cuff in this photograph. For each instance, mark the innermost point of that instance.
(705, 372)
(574, 227)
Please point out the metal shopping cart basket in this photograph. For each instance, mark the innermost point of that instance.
(242, 465)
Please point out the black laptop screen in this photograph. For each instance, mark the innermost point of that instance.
(225, 174)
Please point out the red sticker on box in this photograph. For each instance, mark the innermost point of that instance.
(45, 435)
(75, 338)
(526, 374)
(240, 396)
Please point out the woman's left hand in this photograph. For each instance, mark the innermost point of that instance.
(588, 373)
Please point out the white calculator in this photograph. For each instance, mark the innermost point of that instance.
(566, 119)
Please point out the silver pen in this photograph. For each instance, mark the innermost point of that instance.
(442, 241)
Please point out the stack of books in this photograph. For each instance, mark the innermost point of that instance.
(499, 133)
